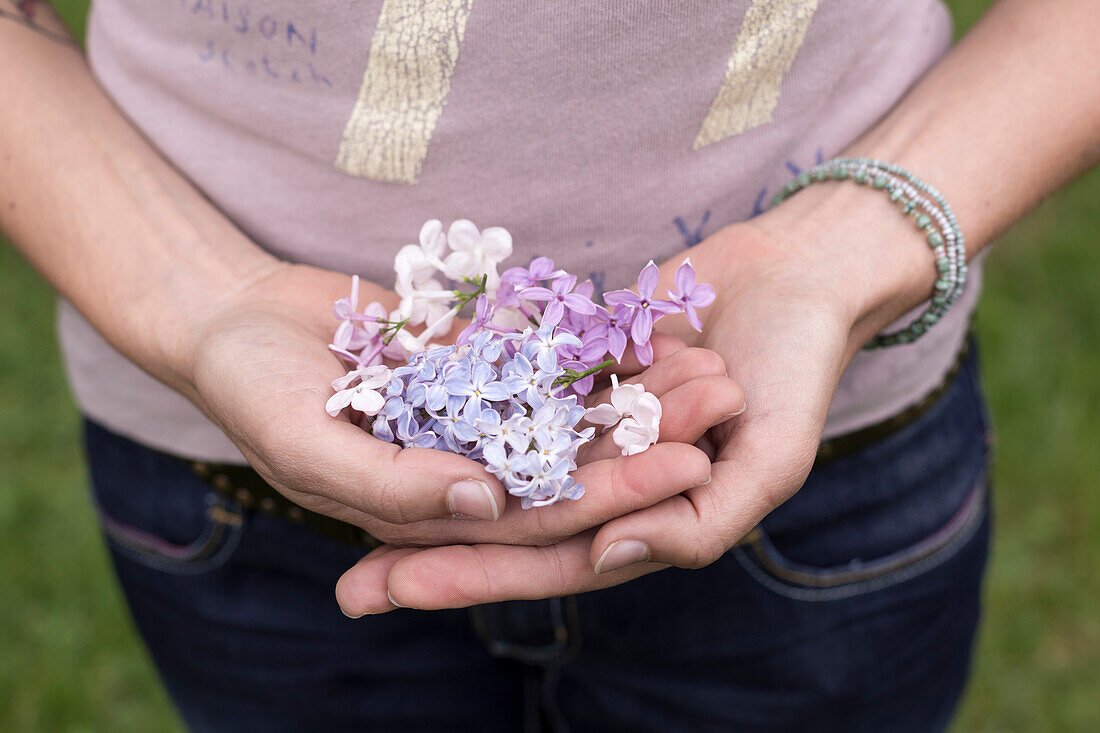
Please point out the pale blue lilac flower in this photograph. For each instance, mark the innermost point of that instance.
(542, 346)
(481, 384)
(532, 385)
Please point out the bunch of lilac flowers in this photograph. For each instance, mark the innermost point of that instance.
(509, 392)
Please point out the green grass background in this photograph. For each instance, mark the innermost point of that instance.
(70, 660)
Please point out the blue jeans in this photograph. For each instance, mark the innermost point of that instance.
(853, 608)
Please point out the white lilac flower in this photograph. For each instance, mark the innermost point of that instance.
(423, 303)
(634, 436)
(364, 397)
(416, 264)
(476, 253)
(635, 412)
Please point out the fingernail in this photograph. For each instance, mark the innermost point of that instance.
(350, 616)
(744, 406)
(620, 554)
(390, 596)
(472, 498)
(709, 479)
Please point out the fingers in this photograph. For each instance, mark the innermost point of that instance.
(695, 528)
(613, 487)
(460, 576)
(363, 589)
(687, 412)
(339, 462)
(665, 374)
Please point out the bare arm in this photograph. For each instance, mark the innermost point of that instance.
(113, 227)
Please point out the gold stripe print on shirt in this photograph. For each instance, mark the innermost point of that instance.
(769, 39)
(415, 49)
(412, 57)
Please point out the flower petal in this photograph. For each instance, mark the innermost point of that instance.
(693, 317)
(367, 401)
(685, 277)
(702, 296)
(580, 304)
(338, 401)
(431, 237)
(622, 297)
(497, 243)
(604, 414)
(647, 280)
(553, 313)
(463, 235)
(537, 293)
(616, 343)
(642, 327)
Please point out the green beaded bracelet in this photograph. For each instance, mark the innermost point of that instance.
(932, 215)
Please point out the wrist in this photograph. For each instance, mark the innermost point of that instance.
(860, 240)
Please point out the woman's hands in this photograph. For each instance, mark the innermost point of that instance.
(790, 314)
(261, 370)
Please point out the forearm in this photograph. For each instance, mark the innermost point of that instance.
(1007, 117)
(114, 227)
(101, 215)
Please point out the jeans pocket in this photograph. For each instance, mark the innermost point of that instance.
(155, 511)
(208, 551)
(759, 556)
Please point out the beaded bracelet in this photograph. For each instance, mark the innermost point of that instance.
(932, 214)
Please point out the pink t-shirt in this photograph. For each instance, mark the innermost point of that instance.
(602, 134)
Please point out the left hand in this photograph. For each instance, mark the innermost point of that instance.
(791, 312)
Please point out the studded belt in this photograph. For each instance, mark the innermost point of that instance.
(243, 485)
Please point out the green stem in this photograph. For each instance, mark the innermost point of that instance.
(570, 377)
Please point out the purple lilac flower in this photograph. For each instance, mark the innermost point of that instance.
(559, 298)
(642, 309)
(482, 315)
(541, 268)
(690, 296)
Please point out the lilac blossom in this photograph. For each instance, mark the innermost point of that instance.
(560, 298)
(481, 384)
(690, 296)
(541, 268)
(509, 392)
(642, 309)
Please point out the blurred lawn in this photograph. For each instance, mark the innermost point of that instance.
(69, 659)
